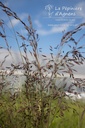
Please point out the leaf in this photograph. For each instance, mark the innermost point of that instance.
(1, 47)
(66, 37)
(72, 39)
(77, 62)
(40, 49)
(51, 55)
(44, 55)
(1, 23)
(56, 47)
(35, 55)
(69, 45)
(4, 60)
(22, 37)
(3, 36)
(51, 48)
(80, 47)
(30, 53)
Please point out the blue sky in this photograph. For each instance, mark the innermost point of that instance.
(49, 26)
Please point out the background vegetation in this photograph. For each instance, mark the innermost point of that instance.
(40, 103)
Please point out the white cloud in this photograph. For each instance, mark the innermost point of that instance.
(80, 69)
(14, 59)
(6, 3)
(23, 32)
(81, 13)
(54, 29)
(17, 60)
(37, 23)
(43, 32)
(23, 16)
(15, 22)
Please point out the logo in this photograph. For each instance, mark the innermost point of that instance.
(49, 8)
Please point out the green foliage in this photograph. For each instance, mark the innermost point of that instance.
(40, 104)
(16, 112)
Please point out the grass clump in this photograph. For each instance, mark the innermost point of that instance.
(18, 112)
(40, 103)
